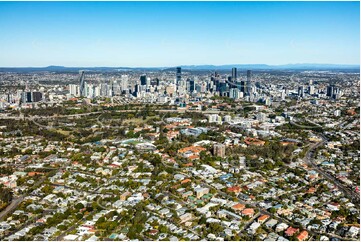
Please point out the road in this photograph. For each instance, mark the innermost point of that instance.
(63, 234)
(11, 207)
(308, 159)
(15, 202)
(353, 196)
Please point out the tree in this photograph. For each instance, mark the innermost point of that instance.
(273, 210)
(47, 189)
(6, 194)
(79, 206)
(215, 228)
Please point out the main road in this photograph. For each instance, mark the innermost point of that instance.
(308, 159)
(353, 196)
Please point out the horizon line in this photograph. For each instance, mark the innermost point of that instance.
(52, 65)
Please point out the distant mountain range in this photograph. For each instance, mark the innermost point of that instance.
(271, 67)
(188, 67)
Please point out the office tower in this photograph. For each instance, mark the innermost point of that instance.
(242, 86)
(37, 96)
(219, 150)
(190, 85)
(331, 89)
(248, 85)
(124, 83)
(234, 74)
(300, 91)
(23, 97)
(29, 97)
(178, 75)
(311, 90)
(337, 93)
(223, 87)
(249, 76)
(136, 90)
(115, 88)
(143, 80)
(82, 83)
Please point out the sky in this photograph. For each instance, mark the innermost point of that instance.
(162, 34)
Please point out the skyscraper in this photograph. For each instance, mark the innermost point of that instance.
(190, 85)
(242, 86)
(301, 91)
(124, 83)
(234, 74)
(143, 80)
(82, 83)
(249, 82)
(179, 75)
(249, 76)
(311, 89)
(330, 90)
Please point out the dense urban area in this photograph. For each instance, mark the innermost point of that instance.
(178, 154)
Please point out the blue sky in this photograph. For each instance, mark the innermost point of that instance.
(178, 33)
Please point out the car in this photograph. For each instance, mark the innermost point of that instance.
(162, 236)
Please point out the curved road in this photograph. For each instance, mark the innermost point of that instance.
(353, 196)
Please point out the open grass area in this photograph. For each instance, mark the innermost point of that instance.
(64, 132)
(136, 121)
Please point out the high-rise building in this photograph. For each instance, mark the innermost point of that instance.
(74, 90)
(30, 97)
(37, 96)
(82, 84)
(249, 76)
(330, 90)
(241, 86)
(219, 150)
(136, 90)
(249, 83)
(223, 87)
(300, 91)
(179, 75)
(190, 85)
(234, 74)
(234, 93)
(311, 89)
(124, 83)
(143, 80)
(283, 95)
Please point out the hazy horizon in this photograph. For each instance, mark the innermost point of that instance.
(238, 64)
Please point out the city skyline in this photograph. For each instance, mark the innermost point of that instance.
(165, 34)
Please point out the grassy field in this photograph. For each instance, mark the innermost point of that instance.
(64, 132)
(136, 121)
